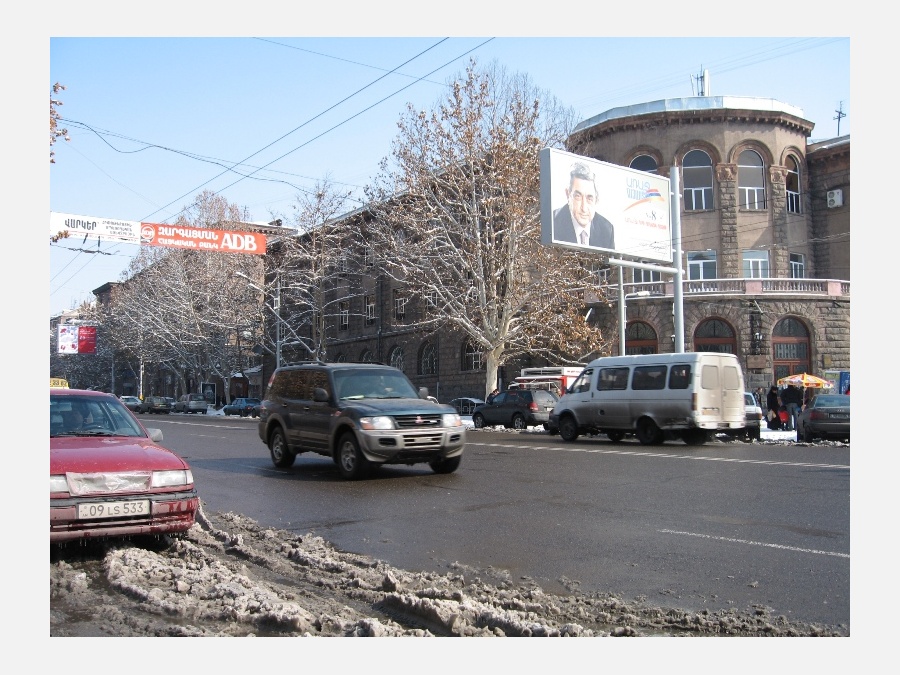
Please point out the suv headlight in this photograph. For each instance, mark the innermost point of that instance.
(451, 420)
(380, 422)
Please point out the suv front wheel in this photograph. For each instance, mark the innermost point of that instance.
(282, 457)
(350, 460)
(448, 465)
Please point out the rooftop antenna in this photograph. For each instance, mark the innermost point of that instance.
(703, 80)
(840, 113)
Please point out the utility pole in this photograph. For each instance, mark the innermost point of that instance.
(840, 114)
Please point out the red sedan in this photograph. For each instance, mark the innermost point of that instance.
(109, 477)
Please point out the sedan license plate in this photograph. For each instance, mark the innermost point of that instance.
(113, 509)
(839, 416)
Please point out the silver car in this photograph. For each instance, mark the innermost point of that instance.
(191, 403)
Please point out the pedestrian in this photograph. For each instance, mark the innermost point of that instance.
(773, 406)
(490, 398)
(760, 396)
(792, 398)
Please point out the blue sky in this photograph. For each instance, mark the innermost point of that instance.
(153, 121)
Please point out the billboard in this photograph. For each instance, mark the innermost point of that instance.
(591, 205)
(158, 234)
(76, 339)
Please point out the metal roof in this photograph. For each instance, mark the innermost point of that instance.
(692, 103)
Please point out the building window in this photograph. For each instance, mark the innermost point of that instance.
(399, 305)
(645, 276)
(696, 172)
(370, 309)
(428, 359)
(751, 181)
(798, 266)
(395, 358)
(369, 257)
(366, 356)
(644, 163)
(340, 358)
(792, 186)
(343, 263)
(756, 264)
(701, 264)
(714, 335)
(344, 312)
(471, 358)
(640, 338)
(431, 299)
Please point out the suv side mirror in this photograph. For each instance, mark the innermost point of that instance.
(320, 395)
(423, 392)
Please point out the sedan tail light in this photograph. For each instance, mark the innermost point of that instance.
(533, 407)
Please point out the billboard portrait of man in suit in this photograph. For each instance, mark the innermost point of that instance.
(578, 221)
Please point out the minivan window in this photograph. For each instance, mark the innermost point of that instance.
(709, 377)
(680, 376)
(732, 381)
(583, 382)
(648, 378)
(612, 378)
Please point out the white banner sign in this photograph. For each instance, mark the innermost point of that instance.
(108, 229)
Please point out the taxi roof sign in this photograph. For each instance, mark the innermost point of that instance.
(59, 383)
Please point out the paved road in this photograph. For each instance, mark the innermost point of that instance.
(716, 526)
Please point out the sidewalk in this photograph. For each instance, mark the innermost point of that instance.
(764, 434)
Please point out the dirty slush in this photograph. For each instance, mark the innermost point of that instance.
(230, 577)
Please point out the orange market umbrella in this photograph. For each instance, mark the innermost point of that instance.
(804, 380)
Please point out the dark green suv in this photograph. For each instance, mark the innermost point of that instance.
(360, 415)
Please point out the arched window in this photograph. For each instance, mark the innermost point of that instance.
(696, 172)
(428, 359)
(471, 358)
(366, 356)
(792, 186)
(790, 348)
(644, 163)
(640, 338)
(714, 335)
(395, 358)
(340, 358)
(751, 181)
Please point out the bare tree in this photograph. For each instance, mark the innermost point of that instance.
(55, 133)
(189, 312)
(457, 219)
(309, 273)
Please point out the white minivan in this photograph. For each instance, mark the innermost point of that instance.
(654, 396)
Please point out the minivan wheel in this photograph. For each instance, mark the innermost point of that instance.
(518, 422)
(282, 457)
(351, 463)
(448, 465)
(648, 433)
(694, 436)
(568, 430)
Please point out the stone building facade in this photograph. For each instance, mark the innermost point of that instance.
(765, 223)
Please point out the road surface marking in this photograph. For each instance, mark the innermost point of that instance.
(757, 543)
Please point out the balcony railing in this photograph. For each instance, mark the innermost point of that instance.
(764, 287)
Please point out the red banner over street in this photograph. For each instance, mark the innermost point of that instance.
(202, 239)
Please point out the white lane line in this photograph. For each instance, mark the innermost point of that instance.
(636, 453)
(757, 543)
